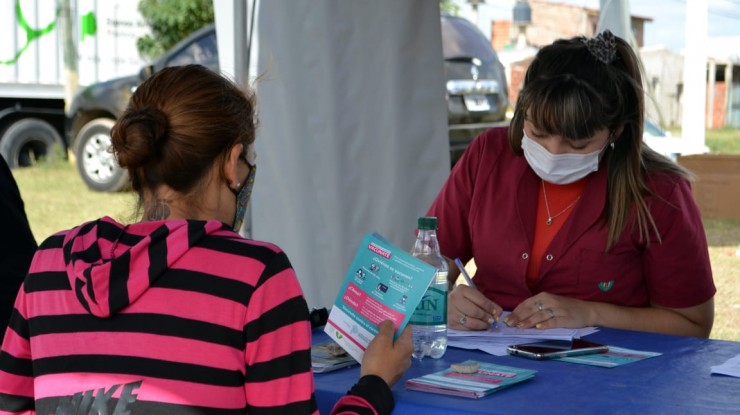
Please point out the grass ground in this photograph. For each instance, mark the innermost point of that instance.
(724, 140)
(719, 140)
(56, 199)
(724, 252)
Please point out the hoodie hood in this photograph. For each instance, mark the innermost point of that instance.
(110, 265)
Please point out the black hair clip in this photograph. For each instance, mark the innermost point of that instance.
(603, 46)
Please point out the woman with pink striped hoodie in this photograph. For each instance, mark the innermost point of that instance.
(176, 313)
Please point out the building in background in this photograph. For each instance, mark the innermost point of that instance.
(549, 22)
(663, 71)
(664, 79)
(552, 21)
(663, 68)
(723, 90)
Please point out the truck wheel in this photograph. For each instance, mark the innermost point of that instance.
(95, 160)
(29, 140)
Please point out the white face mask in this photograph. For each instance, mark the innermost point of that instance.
(558, 168)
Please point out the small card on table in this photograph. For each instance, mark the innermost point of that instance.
(488, 379)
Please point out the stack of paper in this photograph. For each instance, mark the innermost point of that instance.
(495, 340)
(488, 379)
(329, 356)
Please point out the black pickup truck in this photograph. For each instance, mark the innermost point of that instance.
(477, 97)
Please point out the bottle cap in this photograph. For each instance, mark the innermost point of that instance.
(427, 223)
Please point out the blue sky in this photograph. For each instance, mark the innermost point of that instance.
(669, 17)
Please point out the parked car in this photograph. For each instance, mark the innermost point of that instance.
(477, 92)
(476, 97)
(666, 144)
(93, 111)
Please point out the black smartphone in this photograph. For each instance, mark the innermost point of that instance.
(553, 349)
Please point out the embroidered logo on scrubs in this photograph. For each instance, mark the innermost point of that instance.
(606, 286)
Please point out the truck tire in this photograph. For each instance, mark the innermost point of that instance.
(29, 140)
(95, 160)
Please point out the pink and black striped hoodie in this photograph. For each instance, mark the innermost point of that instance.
(165, 317)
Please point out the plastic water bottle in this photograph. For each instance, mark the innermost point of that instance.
(429, 321)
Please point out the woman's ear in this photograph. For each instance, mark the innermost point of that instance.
(231, 167)
(617, 132)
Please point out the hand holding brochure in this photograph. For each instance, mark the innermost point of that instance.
(384, 282)
(487, 379)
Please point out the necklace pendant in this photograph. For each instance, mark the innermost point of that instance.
(549, 221)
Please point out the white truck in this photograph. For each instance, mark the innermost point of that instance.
(32, 72)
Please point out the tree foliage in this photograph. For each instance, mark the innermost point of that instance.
(171, 21)
(449, 6)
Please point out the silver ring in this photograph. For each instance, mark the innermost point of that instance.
(463, 320)
(539, 305)
(550, 312)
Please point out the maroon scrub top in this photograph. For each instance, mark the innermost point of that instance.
(487, 209)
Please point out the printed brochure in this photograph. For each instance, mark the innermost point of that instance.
(487, 379)
(616, 356)
(384, 282)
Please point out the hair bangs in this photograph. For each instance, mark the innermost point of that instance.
(564, 106)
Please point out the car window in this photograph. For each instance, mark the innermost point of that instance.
(203, 51)
(652, 129)
(461, 39)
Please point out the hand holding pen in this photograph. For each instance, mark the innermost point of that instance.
(468, 308)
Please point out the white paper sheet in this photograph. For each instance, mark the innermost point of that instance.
(495, 340)
(729, 368)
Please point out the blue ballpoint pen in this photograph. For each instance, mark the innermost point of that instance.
(469, 280)
(465, 275)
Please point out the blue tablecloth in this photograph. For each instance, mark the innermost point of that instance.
(677, 382)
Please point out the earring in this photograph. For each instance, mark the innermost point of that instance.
(612, 145)
(238, 185)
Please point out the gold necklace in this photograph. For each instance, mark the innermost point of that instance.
(550, 217)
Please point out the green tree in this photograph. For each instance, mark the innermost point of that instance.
(171, 21)
(449, 6)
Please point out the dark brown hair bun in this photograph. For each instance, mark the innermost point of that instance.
(139, 136)
(180, 123)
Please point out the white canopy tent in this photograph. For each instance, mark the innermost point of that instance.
(353, 124)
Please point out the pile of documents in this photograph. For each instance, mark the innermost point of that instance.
(329, 356)
(495, 340)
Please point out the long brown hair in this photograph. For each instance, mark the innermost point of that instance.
(572, 91)
(177, 124)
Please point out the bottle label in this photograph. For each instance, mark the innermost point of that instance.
(432, 310)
